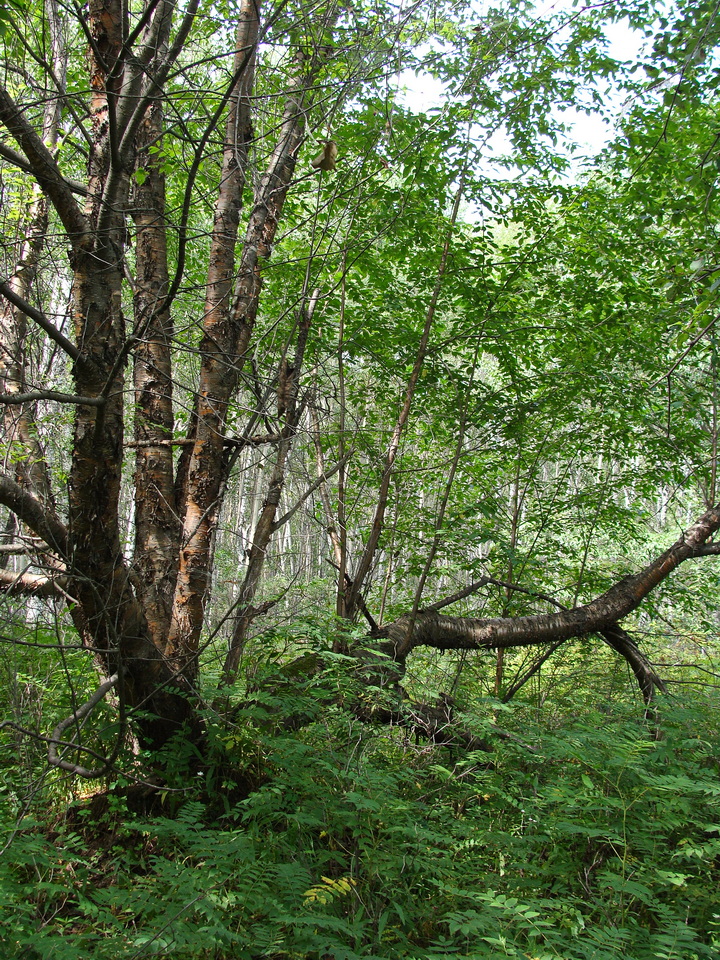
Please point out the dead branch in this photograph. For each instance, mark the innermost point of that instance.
(56, 395)
(599, 616)
(41, 320)
(56, 738)
(31, 584)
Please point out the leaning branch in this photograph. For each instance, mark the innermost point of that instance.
(44, 168)
(40, 319)
(19, 161)
(648, 680)
(281, 521)
(52, 395)
(617, 638)
(602, 614)
(40, 520)
(31, 584)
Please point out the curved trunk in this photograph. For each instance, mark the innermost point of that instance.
(601, 615)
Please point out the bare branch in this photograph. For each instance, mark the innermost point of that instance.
(40, 319)
(24, 584)
(18, 160)
(52, 395)
(520, 681)
(708, 550)
(60, 87)
(75, 717)
(281, 521)
(483, 582)
(378, 523)
(460, 594)
(467, 633)
(44, 168)
(15, 548)
(255, 441)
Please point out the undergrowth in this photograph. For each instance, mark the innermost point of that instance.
(588, 841)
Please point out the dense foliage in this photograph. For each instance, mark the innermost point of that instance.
(359, 506)
(575, 834)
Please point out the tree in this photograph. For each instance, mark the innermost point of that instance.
(340, 332)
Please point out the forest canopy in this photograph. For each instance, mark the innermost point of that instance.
(340, 378)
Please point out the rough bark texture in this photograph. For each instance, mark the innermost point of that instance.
(223, 349)
(94, 484)
(157, 529)
(226, 220)
(100, 577)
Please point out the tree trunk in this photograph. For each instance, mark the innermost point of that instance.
(223, 349)
(157, 530)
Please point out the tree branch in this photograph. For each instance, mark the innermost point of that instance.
(18, 160)
(362, 606)
(467, 633)
(520, 681)
(56, 737)
(40, 319)
(40, 520)
(708, 550)
(621, 641)
(31, 584)
(44, 168)
(281, 521)
(52, 395)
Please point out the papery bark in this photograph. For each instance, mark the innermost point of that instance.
(157, 527)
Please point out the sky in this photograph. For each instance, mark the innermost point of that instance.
(424, 92)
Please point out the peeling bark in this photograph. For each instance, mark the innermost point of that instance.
(226, 221)
(100, 578)
(157, 527)
(223, 348)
